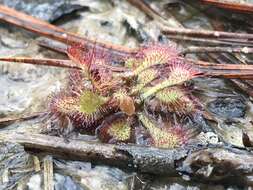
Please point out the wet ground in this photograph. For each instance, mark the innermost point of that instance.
(25, 88)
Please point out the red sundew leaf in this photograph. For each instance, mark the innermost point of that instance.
(95, 70)
(144, 78)
(116, 128)
(85, 110)
(104, 82)
(179, 70)
(162, 53)
(62, 103)
(100, 80)
(79, 54)
(77, 82)
(91, 56)
(163, 137)
(175, 74)
(154, 54)
(174, 100)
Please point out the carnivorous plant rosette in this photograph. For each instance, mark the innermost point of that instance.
(113, 102)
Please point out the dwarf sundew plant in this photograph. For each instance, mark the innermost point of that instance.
(113, 101)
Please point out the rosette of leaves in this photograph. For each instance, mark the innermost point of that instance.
(103, 99)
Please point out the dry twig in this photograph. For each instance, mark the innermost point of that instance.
(53, 45)
(45, 29)
(143, 6)
(8, 120)
(42, 61)
(203, 163)
(208, 34)
(194, 49)
(232, 5)
(48, 173)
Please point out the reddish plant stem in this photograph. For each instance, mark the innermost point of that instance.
(231, 71)
(217, 66)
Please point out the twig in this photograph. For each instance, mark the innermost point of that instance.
(7, 120)
(48, 173)
(210, 41)
(191, 161)
(212, 65)
(171, 21)
(53, 45)
(232, 5)
(180, 29)
(223, 70)
(242, 84)
(209, 69)
(231, 75)
(42, 61)
(207, 33)
(57, 63)
(45, 29)
(194, 49)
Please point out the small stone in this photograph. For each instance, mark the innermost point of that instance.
(48, 10)
(208, 138)
(35, 182)
(65, 183)
(228, 108)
